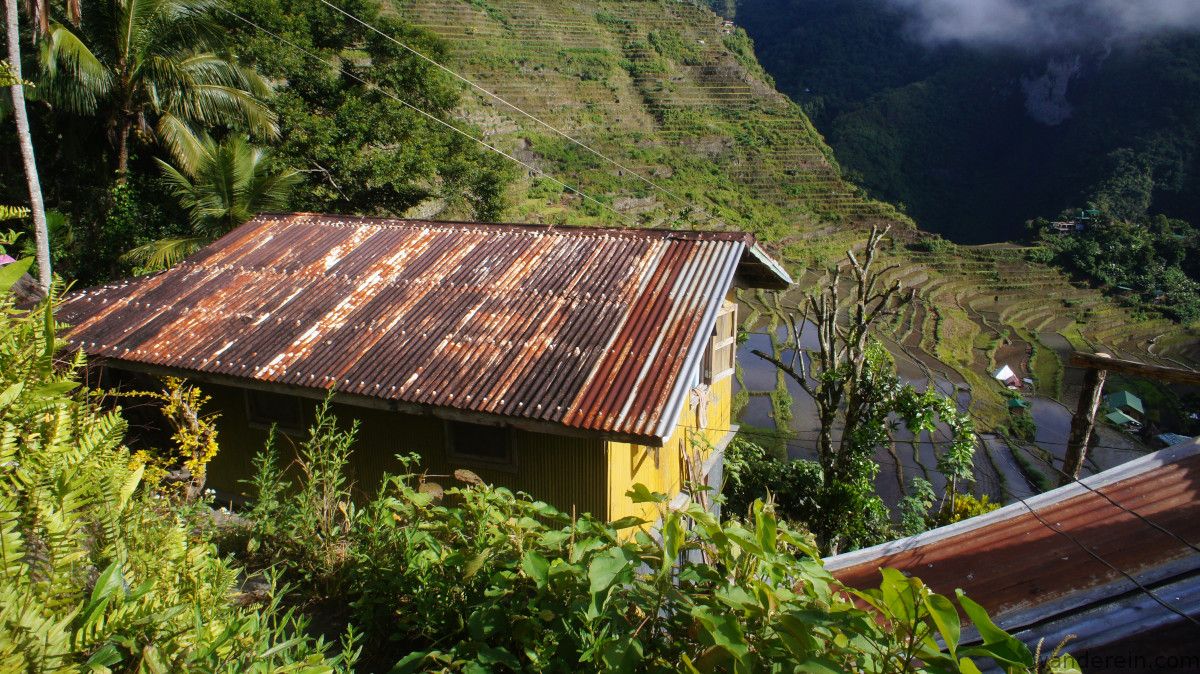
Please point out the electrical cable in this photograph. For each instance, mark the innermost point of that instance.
(430, 116)
(1145, 590)
(523, 112)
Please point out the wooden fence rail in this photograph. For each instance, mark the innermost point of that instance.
(1097, 366)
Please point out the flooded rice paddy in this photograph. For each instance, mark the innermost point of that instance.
(998, 468)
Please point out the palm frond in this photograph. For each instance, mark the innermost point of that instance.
(219, 104)
(182, 141)
(164, 253)
(231, 183)
(72, 75)
(13, 212)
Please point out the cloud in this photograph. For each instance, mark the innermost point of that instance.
(1046, 24)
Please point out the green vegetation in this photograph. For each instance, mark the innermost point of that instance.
(471, 578)
(1153, 261)
(700, 120)
(227, 184)
(144, 82)
(852, 381)
(905, 119)
(98, 573)
(102, 572)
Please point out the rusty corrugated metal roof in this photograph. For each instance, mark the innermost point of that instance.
(1037, 582)
(592, 329)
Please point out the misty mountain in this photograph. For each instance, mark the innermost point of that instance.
(978, 116)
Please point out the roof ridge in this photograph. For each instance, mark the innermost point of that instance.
(549, 228)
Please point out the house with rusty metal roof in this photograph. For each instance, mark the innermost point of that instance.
(566, 362)
(1113, 559)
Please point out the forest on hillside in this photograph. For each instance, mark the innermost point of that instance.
(975, 139)
(162, 124)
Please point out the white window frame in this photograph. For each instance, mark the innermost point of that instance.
(717, 343)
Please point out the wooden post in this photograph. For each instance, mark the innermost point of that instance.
(1082, 424)
(1098, 365)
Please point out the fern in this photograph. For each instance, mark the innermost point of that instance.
(96, 573)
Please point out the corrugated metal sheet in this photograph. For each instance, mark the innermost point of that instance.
(1037, 582)
(592, 329)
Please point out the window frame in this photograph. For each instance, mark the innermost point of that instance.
(508, 464)
(718, 343)
(255, 419)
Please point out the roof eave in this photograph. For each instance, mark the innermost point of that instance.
(757, 269)
(369, 402)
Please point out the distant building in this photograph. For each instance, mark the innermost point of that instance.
(1067, 227)
(566, 362)
(1122, 420)
(1172, 439)
(1006, 376)
(1126, 402)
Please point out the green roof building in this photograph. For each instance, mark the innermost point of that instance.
(1119, 418)
(1017, 404)
(1125, 401)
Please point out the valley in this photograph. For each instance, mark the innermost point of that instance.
(683, 128)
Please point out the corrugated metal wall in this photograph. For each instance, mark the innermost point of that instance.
(563, 471)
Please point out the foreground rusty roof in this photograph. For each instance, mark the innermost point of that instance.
(1061, 574)
(597, 330)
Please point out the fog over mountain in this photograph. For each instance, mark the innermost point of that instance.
(1056, 25)
(978, 115)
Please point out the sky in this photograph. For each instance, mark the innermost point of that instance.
(1036, 25)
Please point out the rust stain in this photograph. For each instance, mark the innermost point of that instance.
(587, 327)
(1019, 562)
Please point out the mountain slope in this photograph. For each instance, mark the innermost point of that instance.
(669, 91)
(978, 140)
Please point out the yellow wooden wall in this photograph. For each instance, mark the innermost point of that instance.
(661, 468)
(563, 471)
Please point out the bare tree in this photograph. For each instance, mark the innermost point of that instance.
(853, 383)
(834, 374)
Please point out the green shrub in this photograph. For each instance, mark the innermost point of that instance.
(1021, 426)
(965, 506)
(932, 244)
(474, 578)
(96, 573)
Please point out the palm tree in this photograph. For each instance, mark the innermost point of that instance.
(231, 182)
(160, 70)
(10, 76)
(39, 14)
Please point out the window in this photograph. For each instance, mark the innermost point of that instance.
(722, 346)
(264, 410)
(489, 446)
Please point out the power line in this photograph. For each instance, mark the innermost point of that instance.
(1103, 561)
(1129, 511)
(516, 108)
(802, 433)
(430, 116)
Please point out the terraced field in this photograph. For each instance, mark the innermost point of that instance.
(683, 128)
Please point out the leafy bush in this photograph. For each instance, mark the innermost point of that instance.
(1151, 260)
(965, 506)
(1021, 426)
(474, 578)
(932, 244)
(96, 573)
(751, 473)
